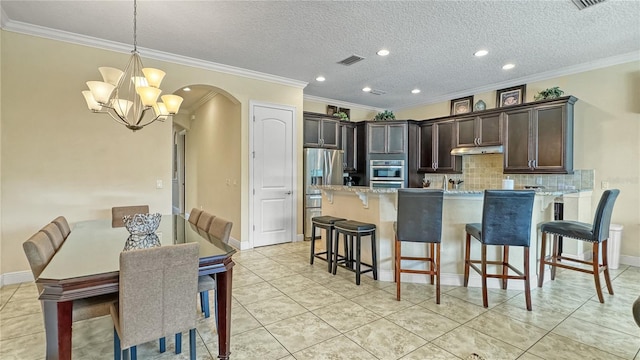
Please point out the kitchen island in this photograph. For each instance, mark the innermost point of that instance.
(379, 206)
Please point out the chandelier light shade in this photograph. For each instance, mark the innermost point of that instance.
(127, 96)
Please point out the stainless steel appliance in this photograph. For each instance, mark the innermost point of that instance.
(321, 167)
(386, 174)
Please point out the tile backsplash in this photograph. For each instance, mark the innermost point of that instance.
(481, 172)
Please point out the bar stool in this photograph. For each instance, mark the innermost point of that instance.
(349, 229)
(326, 223)
(419, 220)
(506, 221)
(596, 233)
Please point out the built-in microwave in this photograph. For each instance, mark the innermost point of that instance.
(389, 170)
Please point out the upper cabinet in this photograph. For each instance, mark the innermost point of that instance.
(387, 137)
(321, 131)
(480, 130)
(436, 139)
(353, 146)
(539, 138)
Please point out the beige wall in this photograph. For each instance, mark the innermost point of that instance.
(213, 160)
(357, 113)
(60, 159)
(607, 135)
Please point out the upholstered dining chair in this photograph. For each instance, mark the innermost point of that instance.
(205, 221)
(194, 215)
(63, 225)
(221, 230)
(419, 220)
(118, 212)
(596, 233)
(156, 297)
(39, 251)
(506, 222)
(55, 236)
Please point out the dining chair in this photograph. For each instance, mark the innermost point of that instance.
(156, 298)
(55, 236)
(596, 233)
(220, 229)
(204, 221)
(194, 215)
(419, 220)
(63, 225)
(506, 222)
(117, 212)
(39, 251)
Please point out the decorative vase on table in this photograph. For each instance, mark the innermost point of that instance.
(142, 224)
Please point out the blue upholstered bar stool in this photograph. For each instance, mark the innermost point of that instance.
(355, 230)
(506, 221)
(326, 223)
(419, 220)
(596, 233)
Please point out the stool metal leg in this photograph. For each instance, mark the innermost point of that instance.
(329, 244)
(335, 252)
(358, 251)
(374, 257)
(313, 243)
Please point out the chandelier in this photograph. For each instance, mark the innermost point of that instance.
(127, 96)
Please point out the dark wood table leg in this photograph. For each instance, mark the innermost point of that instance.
(223, 294)
(57, 322)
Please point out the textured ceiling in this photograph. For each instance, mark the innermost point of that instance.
(431, 42)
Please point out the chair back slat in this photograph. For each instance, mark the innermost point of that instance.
(506, 217)
(194, 216)
(63, 225)
(118, 212)
(221, 229)
(602, 219)
(157, 288)
(419, 215)
(39, 250)
(205, 221)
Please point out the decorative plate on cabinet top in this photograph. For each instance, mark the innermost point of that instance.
(479, 106)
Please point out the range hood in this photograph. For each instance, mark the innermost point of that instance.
(477, 150)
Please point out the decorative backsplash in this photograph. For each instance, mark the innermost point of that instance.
(481, 172)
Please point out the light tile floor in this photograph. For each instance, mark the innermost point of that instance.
(284, 308)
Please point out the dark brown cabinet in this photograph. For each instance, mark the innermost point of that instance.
(480, 130)
(539, 138)
(387, 137)
(321, 131)
(353, 140)
(436, 139)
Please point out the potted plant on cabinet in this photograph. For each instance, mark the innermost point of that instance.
(385, 116)
(550, 93)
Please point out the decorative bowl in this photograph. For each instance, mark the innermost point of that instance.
(142, 224)
(135, 242)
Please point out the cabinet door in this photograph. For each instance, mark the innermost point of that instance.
(349, 141)
(425, 148)
(445, 142)
(311, 132)
(377, 138)
(489, 130)
(396, 139)
(549, 149)
(330, 130)
(517, 139)
(466, 130)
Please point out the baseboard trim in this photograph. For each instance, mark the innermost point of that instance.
(630, 260)
(299, 237)
(15, 278)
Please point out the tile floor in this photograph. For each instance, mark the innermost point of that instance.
(286, 309)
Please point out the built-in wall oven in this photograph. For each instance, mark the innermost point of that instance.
(386, 174)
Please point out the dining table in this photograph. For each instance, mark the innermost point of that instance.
(87, 265)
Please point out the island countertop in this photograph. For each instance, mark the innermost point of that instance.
(366, 189)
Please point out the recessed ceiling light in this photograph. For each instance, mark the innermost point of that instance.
(383, 52)
(320, 78)
(366, 89)
(415, 91)
(480, 53)
(508, 67)
(186, 89)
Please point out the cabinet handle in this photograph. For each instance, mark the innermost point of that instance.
(533, 164)
(321, 142)
(436, 166)
(476, 142)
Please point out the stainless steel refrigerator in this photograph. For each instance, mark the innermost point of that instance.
(321, 167)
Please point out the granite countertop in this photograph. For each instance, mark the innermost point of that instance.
(362, 189)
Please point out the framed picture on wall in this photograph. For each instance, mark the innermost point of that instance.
(511, 96)
(331, 110)
(461, 105)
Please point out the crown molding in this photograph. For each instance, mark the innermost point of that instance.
(69, 37)
(569, 70)
(341, 103)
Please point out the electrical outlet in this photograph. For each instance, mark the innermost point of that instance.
(604, 185)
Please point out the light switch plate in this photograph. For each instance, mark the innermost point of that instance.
(604, 185)
(159, 184)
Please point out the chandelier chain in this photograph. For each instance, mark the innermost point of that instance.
(135, 26)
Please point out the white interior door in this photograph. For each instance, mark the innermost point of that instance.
(273, 175)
